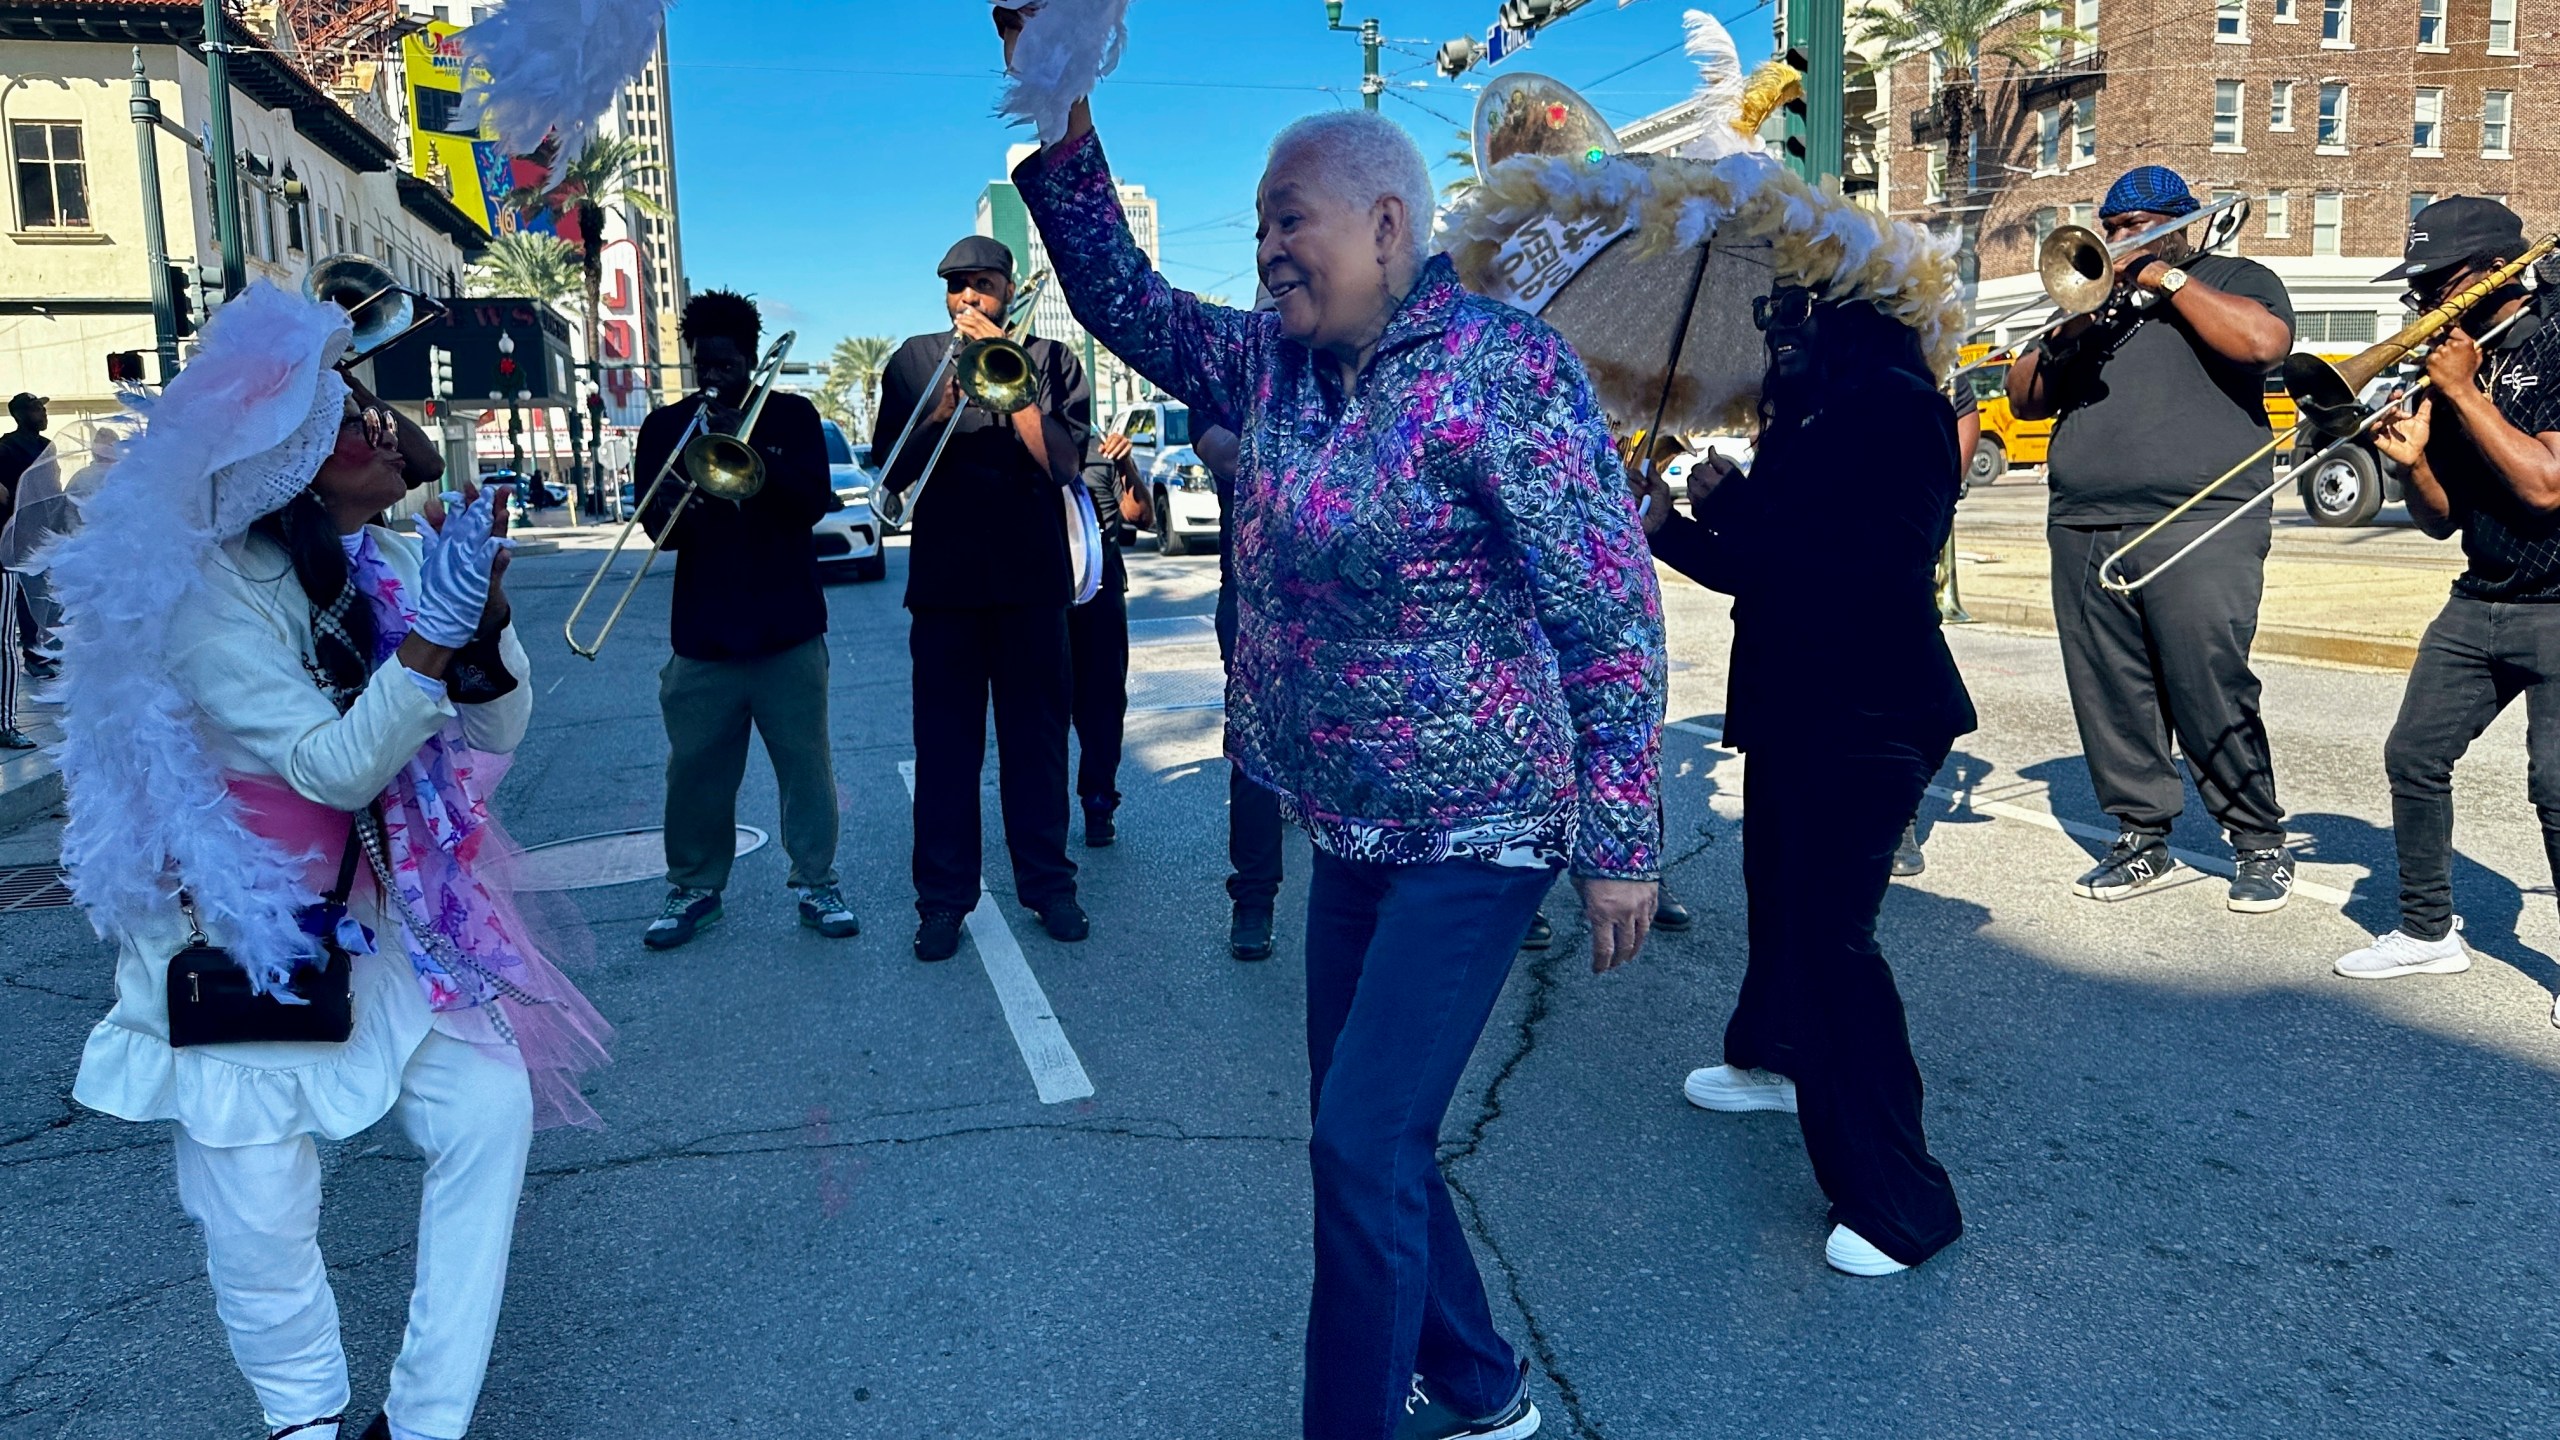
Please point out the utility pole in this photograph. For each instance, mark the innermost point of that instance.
(218, 153)
(1816, 31)
(1372, 40)
(155, 235)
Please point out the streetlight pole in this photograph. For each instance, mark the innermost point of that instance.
(1372, 40)
(515, 400)
(155, 233)
(218, 153)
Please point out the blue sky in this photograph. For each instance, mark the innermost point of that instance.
(828, 151)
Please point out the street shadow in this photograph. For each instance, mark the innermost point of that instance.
(2490, 904)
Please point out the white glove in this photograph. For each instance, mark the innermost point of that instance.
(453, 576)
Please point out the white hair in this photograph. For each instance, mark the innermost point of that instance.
(1363, 157)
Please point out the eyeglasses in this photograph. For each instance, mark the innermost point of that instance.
(991, 286)
(378, 422)
(1789, 307)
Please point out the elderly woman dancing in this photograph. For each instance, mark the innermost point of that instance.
(1449, 669)
(266, 698)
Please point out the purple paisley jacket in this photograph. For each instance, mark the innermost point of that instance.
(1449, 636)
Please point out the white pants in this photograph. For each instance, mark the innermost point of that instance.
(470, 1114)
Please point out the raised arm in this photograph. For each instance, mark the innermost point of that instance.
(1554, 481)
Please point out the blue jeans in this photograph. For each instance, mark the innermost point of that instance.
(1404, 963)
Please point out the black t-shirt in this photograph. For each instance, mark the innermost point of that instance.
(746, 572)
(18, 451)
(2149, 416)
(989, 530)
(2514, 552)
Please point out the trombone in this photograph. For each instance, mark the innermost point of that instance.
(995, 374)
(2325, 397)
(385, 311)
(2077, 267)
(708, 462)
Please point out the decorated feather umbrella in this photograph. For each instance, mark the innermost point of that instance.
(1649, 264)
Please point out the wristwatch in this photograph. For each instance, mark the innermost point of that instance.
(2173, 280)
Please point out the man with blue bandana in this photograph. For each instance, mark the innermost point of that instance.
(2158, 393)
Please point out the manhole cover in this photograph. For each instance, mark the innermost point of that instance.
(32, 887)
(592, 862)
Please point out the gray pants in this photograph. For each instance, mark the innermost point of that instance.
(709, 705)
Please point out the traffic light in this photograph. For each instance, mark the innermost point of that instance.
(1528, 14)
(439, 372)
(1459, 56)
(1799, 115)
(199, 294)
(435, 412)
(124, 367)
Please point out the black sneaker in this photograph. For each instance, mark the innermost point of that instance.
(13, 738)
(1541, 934)
(1101, 831)
(1427, 1418)
(2261, 880)
(1249, 938)
(2132, 863)
(1065, 920)
(938, 935)
(1907, 859)
(1671, 916)
(822, 909)
(681, 918)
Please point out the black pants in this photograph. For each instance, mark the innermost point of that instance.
(2173, 657)
(2476, 657)
(1098, 640)
(1818, 1002)
(1253, 813)
(1018, 656)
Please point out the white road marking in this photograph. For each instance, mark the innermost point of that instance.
(2000, 809)
(1056, 1072)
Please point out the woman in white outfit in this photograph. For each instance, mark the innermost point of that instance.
(266, 699)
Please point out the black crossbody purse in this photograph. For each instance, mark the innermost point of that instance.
(210, 1002)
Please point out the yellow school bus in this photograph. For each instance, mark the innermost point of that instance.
(2009, 441)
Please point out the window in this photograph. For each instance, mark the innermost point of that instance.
(2084, 18)
(2279, 104)
(2279, 213)
(2426, 124)
(2332, 133)
(53, 176)
(2431, 24)
(2219, 195)
(2048, 141)
(2085, 214)
(2084, 131)
(2419, 200)
(2329, 327)
(2230, 21)
(1937, 174)
(2502, 27)
(2328, 217)
(2226, 114)
(2047, 218)
(2497, 112)
(2334, 27)
(2284, 13)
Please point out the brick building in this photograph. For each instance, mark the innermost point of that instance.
(2338, 117)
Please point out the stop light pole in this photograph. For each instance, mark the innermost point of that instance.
(1817, 35)
(218, 153)
(1372, 39)
(155, 233)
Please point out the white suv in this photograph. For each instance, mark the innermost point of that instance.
(848, 537)
(1184, 494)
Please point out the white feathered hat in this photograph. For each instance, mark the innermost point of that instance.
(238, 433)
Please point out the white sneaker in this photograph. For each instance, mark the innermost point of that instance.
(1848, 1252)
(2401, 953)
(1736, 1090)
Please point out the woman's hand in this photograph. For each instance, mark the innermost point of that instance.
(495, 615)
(459, 572)
(1620, 913)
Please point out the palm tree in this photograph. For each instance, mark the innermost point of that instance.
(1465, 180)
(605, 173)
(537, 266)
(1959, 33)
(853, 380)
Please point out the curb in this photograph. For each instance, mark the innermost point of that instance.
(30, 787)
(2320, 648)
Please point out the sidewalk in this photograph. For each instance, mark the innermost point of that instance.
(2358, 597)
(30, 783)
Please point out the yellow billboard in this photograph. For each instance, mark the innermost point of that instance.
(451, 157)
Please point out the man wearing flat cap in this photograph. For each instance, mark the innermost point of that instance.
(988, 589)
(2159, 393)
(2482, 452)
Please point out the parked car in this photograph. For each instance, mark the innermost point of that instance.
(1184, 493)
(848, 537)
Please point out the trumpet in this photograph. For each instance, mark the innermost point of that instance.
(995, 375)
(385, 311)
(707, 462)
(2077, 267)
(2326, 397)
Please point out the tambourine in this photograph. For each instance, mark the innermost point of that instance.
(1084, 540)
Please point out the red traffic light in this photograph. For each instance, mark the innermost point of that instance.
(435, 412)
(124, 367)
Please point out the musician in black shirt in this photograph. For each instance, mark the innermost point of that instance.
(2157, 393)
(988, 589)
(749, 634)
(2483, 458)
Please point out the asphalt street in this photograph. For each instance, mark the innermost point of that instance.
(2212, 1189)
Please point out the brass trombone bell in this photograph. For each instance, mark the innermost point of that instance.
(383, 310)
(996, 375)
(723, 466)
(2077, 265)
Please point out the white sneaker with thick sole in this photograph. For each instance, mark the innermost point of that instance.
(2401, 953)
(1848, 1252)
(1736, 1091)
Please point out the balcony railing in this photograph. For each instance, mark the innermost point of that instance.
(2086, 70)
